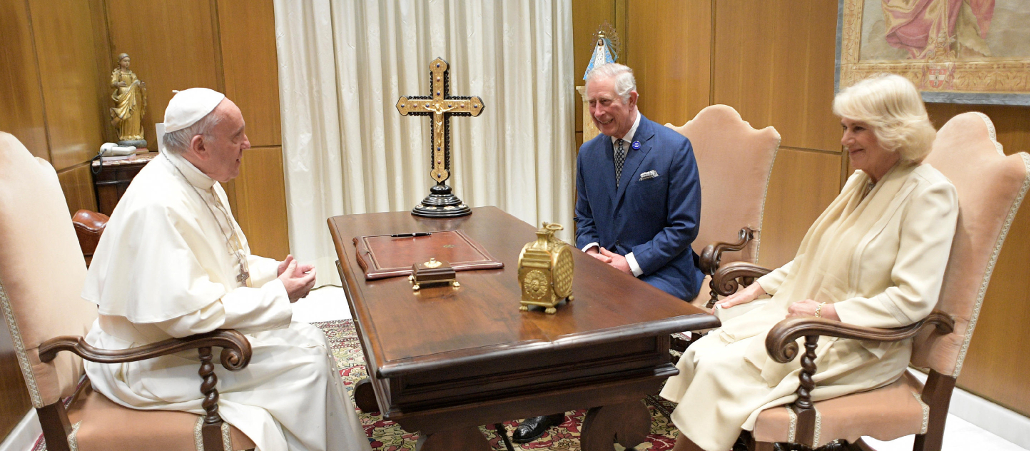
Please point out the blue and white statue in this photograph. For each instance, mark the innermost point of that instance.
(604, 52)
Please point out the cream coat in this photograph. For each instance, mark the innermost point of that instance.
(878, 257)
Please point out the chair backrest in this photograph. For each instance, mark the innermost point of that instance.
(41, 271)
(990, 189)
(734, 161)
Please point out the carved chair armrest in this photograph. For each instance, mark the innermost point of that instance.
(711, 255)
(781, 344)
(731, 276)
(89, 225)
(235, 356)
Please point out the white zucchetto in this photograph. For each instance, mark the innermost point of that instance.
(189, 106)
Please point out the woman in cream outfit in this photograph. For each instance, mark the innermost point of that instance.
(875, 257)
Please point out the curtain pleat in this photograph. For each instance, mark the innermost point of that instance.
(346, 149)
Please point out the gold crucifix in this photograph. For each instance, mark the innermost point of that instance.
(441, 106)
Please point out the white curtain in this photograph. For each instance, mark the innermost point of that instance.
(344, 63)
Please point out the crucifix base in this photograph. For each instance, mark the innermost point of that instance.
(441, 203)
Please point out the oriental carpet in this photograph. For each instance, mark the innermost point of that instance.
(388, 436)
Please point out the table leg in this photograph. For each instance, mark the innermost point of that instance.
(365, 397)
(627, 424)
(466, 439)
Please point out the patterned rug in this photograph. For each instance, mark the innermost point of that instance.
(388, 436)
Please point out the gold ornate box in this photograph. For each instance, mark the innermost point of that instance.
(545, 270)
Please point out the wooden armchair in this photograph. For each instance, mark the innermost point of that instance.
(89, 225)
(734, 161)
(41, 275)
(990, 188)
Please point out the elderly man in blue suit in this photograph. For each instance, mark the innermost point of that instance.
(639, 199)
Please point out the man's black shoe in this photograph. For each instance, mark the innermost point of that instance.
(532, 428)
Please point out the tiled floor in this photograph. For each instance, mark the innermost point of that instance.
(959, 435)
(328, 303)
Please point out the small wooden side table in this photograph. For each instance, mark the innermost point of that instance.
(111, 178)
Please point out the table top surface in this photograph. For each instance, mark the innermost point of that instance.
(404, 332)
(141, 158)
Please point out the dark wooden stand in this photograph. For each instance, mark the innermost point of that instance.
(111, 178)
(443, 361)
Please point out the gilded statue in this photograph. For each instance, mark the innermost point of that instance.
(130, 102)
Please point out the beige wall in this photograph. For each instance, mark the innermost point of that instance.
(773, 61)
(55, 66)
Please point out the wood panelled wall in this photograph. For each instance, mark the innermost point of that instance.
(774, 62)
(56, 60)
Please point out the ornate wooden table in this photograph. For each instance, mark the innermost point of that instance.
(445, 360)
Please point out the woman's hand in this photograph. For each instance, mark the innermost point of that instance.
(744, 296)
(808, 307)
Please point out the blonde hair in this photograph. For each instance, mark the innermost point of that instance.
(892, 107)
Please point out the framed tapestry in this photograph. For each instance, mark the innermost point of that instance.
(955, 51)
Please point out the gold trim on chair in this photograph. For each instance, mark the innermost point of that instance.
(793, 430)
(757, 236)
(19, 349)
(73, 437)
(818, 426)
(926, 413)
(198, 436)
(226, 437)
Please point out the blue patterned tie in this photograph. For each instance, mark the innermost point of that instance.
(620, 159)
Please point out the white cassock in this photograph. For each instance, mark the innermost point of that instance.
(167, 266)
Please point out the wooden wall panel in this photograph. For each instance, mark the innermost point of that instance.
(63, 36)
(20, 95)
(104, 63)
(246, 30)
(260, 207)
(247, 33)
(173, 45)
(587, 16)
(774, 63)
(77, 184)
(1011, 122)
(795, 201)
(672, 68)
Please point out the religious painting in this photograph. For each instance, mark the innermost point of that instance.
(955, 51)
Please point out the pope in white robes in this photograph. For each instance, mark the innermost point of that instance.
(173, 262)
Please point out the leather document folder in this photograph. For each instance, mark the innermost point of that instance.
(382, 256)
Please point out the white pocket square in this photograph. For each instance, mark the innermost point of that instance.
(648, 175)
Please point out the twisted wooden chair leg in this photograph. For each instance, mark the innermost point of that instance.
(212, 429)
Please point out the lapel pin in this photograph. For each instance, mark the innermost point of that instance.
(635, 145)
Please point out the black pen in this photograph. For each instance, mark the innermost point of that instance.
(410, 235)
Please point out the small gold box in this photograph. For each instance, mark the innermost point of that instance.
(432, 272)
(545, 270)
